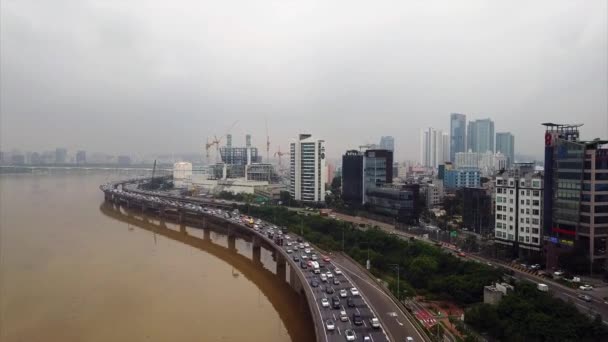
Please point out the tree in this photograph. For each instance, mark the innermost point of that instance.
(285, 197)
(336, 184)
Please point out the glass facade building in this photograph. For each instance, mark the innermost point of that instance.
(458, 134)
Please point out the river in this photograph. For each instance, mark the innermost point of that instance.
(75, 269)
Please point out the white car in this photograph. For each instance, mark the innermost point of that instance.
(343, 293)
(307, 250)
(374, 322)
(324, 302)
(350, 335)
(289, 251)
(306, 244)
(343, 316)
(337, 271)
(586, 287)
(330, 325)
(323, 277)
(329, 275)
(354, 291)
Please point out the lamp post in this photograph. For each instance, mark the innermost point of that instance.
(398, 289)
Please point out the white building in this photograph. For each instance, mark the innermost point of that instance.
(488, 163)
(182, 174)
(433, 193)
(307, 169)
(519, 202)
(434, 147)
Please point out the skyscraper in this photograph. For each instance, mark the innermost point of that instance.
(81, 157)
(458, 134)
(387, 143)
(352, 177)
(480, 136)
(377, 169)
(434, 147)
(61, 155)
(307, 169)
(505, 144)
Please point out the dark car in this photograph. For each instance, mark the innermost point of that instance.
(314, 282)
(299, 239)
(296, 258)
(303, 265)
(357, 320)
(350, 302)
(336, 281)
(329, 290)
(335, 302)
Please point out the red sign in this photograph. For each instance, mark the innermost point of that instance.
(563, 231)
(548, 139)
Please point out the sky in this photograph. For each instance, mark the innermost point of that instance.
(163, 76)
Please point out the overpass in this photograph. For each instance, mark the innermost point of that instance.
(185, 212)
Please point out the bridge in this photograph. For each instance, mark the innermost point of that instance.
(197, 213)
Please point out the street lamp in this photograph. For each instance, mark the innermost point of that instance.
(398, 292)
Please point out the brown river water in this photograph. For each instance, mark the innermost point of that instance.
(75, 269)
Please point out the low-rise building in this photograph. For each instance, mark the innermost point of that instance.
(461, 178)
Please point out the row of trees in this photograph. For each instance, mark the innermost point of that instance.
(530, 315)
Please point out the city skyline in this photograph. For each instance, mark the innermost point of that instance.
(85, 84)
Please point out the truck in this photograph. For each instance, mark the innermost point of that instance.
(315, 267)
(542, 287)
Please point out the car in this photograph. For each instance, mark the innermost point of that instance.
(323, 277)
(461, 254)
(343, 316)
(296, 258)
(314, 283)
(409, 339)
(307, 250)
(337, 271)
(350, 302)
(329, 274)
(326, 259)
(586, 287)
(357, 320)
(343, 293)
(304, 256)
(350, 335)
(558, 273)
(306, 244)
(299, 239)
(289, 243)
(289, 251)
(584, 297)
(354, 291)
(329, 290)
(295, 248)
(374, 322)
(535, 267)
(324, 302)
(330, 325)
(336, 281)
(309, 263)
(303, 265)
(335, 303)
(367, 339)
(313, 257)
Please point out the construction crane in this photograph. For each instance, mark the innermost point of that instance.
(217, 142)
(280, 155)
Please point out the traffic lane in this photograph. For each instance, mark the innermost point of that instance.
(391, 316)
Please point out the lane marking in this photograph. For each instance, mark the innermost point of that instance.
(401, 324)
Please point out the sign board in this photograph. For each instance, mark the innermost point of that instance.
(453, 233)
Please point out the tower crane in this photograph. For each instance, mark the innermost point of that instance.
(217, 142)
(280, 155)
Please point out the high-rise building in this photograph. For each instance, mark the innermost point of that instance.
(505, 144)
(458, 134)
(434, 147)
(575, 199)
(477, 210)
(307, 169)
(81, 157)
(377, 169)
(387, 143)
(352, 177)
(519, 203)
(480, 135)
(61, 155)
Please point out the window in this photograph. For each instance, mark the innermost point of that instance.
(527, 211)
(521, 193)
(510, 227)
(527, 239)
(527, 202)
(535, 212)
(534, 230)
(521, 202)
(510, 210)
(528, 230)
(521, 239)
(511, 200)
(527, 220)
(535, 193)
(535, 221)
(521, 220)
(534, 240)
(536, 184)
(521, 211)
(536, 203)
(511, 192)
(521, 229)
(527, 192)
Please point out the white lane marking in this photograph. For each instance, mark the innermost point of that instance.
(401, 324)
(365, 325)
(359, 312)
(339, 333)
(334, 316)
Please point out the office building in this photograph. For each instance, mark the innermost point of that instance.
(518, 211)
(61, 155)
(505, 144)
(81, 157)
(488, 163)
(433, 194)
(458, 134)
(480, 136)
(461, 178)
(576, 196)
(352, 177)
(307, 169)
(387, 143)
(396, 202)
(434, 147)
(477, 210)
(377, 169)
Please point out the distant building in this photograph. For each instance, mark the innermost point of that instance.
(480, 136)
(505, 144)
(395, 169)
(36, 159)
(124, 160)
(399, 203)
(331, 170)
(434, 147)
(307, 169)
(237, 158)
(377, 169)
(387, 143)
(477, 210)
(352, 177)
(462, 178)
(61, 155)
(457, 134)
(81, 157)
(182, 174)
(488, 163)
(18, 159)
(433, 193)
(261, 172)
(518, 208)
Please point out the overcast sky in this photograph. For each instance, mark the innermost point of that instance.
(162, 76)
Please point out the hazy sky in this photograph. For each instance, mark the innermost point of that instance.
(142, 76)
